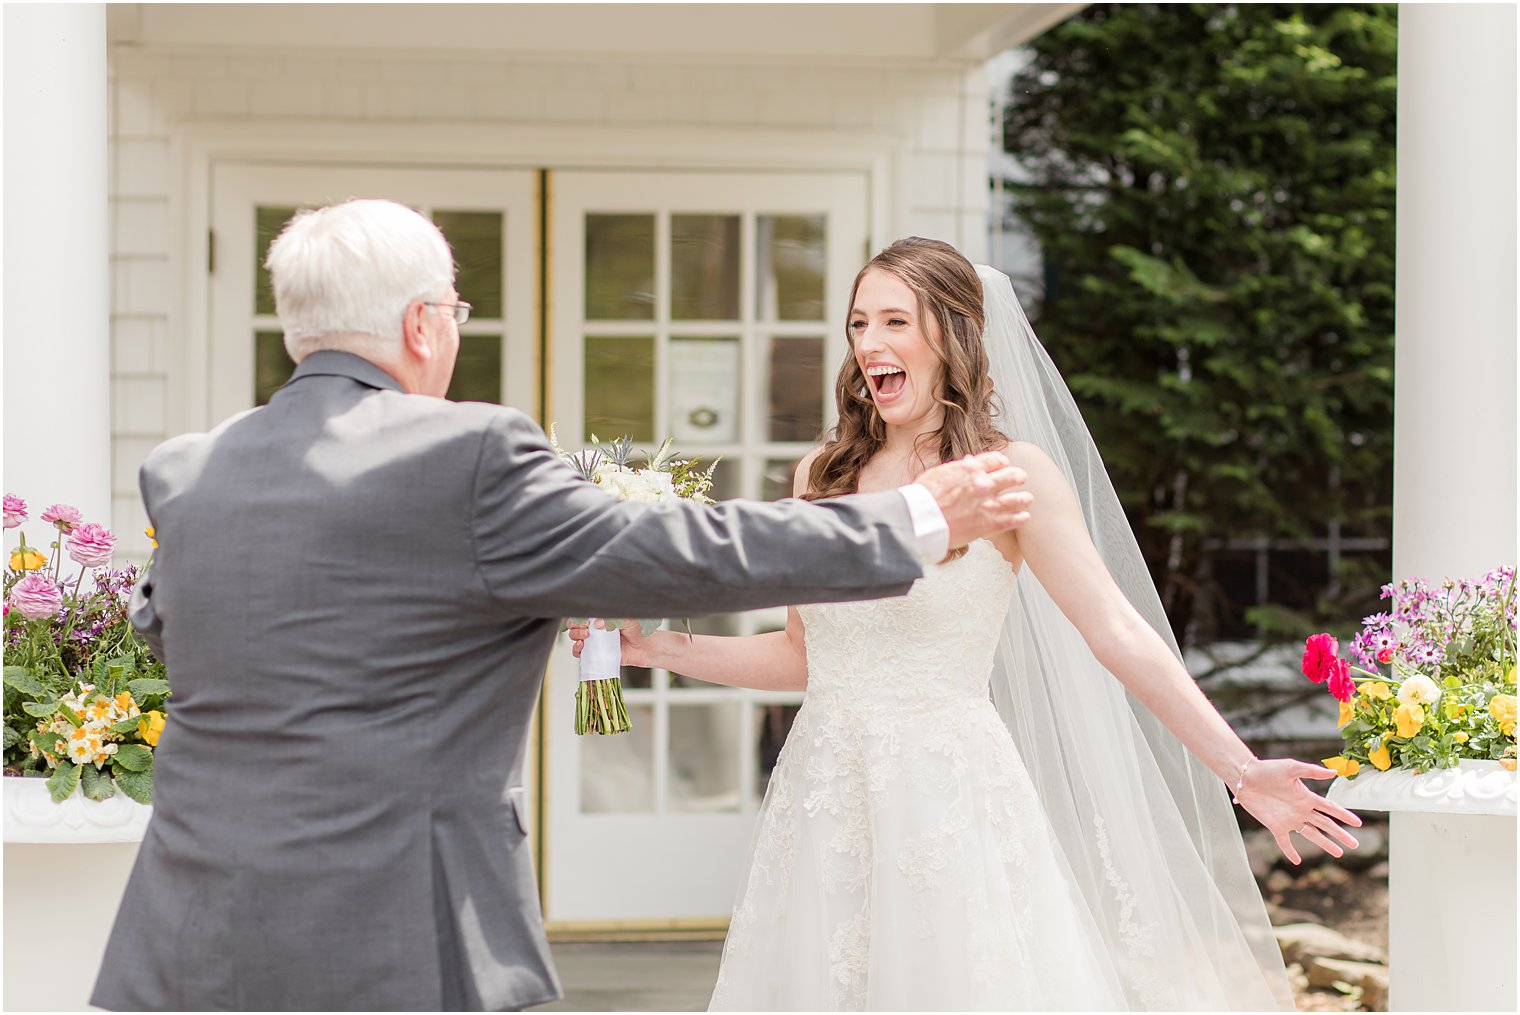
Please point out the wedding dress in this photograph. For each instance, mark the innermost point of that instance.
(902, 859)
(920, 848)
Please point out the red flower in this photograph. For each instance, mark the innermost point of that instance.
(1386, 656)
(1341, 686)
(1319, 651)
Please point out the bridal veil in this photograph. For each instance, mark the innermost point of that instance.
(1148, 832)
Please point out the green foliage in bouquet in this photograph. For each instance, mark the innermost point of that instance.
(84, 698)
(663, 477)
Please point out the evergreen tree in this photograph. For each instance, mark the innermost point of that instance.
(1212, 190)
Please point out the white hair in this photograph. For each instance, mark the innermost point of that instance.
(344, 275)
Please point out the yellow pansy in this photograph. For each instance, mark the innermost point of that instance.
(1459, 738)
(26, 558)
(1347, 714)
(1380, 758)
(151, 726)
(1511, 676)
(1409, 719)
(1345, 767)
(1377, 691)
(1502, 708)
(152, 534)
(124, 699)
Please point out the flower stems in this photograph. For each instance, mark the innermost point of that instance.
(599, 707)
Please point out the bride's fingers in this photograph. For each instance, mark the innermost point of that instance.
(1335, 830)
(1286, 845)
(1315, 835)
(1339, 813)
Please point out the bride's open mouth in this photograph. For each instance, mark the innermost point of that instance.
(887, 381)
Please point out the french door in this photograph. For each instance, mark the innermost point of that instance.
(490, 218)
(707, 307)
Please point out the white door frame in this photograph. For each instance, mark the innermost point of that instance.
(196, 146)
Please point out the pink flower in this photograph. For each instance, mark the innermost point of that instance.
(36, 596)
(15, 511)
(1319, 651)
(91, 545)
(1339, 681)
(65, 516)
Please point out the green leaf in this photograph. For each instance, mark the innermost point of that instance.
(22, 680)
(64, 781)
(96, 783)
(40, 709)
(127, 726)
(144, 687)
(12, 738)
(133, 757)
(71, 715)
(136, 785)
(50, 742)
(648, 627)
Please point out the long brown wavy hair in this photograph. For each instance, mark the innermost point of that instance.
(947, 287)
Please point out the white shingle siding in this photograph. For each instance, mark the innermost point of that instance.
(936, 183)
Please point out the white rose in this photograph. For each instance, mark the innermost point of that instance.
(645, 487)
(1419, 690)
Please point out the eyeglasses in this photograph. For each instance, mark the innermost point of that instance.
(461, 309)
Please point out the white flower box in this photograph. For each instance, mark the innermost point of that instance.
(1452, 910)
(74, 857)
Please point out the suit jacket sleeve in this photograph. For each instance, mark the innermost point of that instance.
(550, 544)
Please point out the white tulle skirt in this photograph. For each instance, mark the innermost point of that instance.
(903, 862)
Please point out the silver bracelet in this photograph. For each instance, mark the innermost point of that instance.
(1241, 782)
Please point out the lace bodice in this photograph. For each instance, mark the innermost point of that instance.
(930, 648)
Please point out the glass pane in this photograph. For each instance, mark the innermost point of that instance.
(723, 624)
(789, 267)
(619, 392)
(267, 223)
(619, 267)
(776, 481)
(476, 239)
(704, 766)
(796, 389)
(272, 367)
(617, 773)
(704, 389)
(772, 724)
(704, 267)
(725, 480)
(477, 372)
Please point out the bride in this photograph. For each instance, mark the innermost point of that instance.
(1064, 843)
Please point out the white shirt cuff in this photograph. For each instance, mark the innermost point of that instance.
(929, 525)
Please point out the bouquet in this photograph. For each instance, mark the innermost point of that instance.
(84, 697)
(1448, 691)
(662, 477)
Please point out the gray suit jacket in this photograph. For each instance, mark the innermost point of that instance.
(356, 591)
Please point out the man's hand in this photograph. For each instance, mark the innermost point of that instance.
(979, 496)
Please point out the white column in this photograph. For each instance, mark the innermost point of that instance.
(1454, 362)
(1454, 431)
(57, 383)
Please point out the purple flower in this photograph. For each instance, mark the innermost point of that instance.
(1377, 620)
(1387, 592)
(1426, 654)
(36, 596)
(65, 516)
(15, 511)
(91, 545)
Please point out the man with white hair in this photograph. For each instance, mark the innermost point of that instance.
(356, 591)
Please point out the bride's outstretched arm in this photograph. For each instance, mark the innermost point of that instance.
(1056, 545)
(776, 661)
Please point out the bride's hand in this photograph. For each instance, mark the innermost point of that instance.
(636, 647)
(1274, 794)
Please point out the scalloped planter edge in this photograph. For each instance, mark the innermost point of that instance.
(31, 816)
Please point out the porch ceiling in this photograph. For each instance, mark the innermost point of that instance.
(960, 33)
